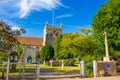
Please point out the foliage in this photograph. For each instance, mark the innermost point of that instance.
(57, 45)
(75, 45)
(8, 37)
(67, 48)
(47, 52)
(89, 69)
(108, 19)
(69, 62)
(3, 57)
(115, 54)
(20, 49)
(85, 31)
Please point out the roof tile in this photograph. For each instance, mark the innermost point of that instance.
(32, 41)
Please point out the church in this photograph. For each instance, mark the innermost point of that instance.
(32, 45)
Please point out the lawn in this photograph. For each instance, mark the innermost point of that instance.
(65, 70)
(29, 68)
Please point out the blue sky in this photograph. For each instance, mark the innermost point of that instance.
(33, 14)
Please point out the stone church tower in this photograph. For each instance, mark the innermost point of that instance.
(50, 33)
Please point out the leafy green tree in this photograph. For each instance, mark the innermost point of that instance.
(74, 45)
(57, 45)
(67, 48)
(20, 49)
(108, 19)
(86, 46)
(8, 37)
(85, 31)
(8, 40)
(47, 52)
(3, 57)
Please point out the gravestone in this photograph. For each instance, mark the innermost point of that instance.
(107, 67)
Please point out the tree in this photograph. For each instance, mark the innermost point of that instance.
(8, 40)
(75, 45)
(85, 31)
(108, 19)
(57, 45)
(20, 49)
(67, 48)
(8, 37)
(3, 57)
(47, 52)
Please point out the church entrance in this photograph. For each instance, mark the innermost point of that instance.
(29, 59)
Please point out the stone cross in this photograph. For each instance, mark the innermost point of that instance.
(106, 58)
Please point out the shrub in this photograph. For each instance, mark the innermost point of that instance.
(69, 62)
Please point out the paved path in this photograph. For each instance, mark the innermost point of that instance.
(47, 74)
(77, 78)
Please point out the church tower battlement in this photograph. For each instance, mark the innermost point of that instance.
(50, 33)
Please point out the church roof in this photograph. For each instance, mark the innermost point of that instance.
(31, 41)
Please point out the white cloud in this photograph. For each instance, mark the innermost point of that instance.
(26, 6)
(23, 8)
(15, 28)
(64, 16)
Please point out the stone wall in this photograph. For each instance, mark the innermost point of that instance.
(106, 68)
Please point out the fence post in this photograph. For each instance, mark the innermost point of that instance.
(82, 68)
(94, 68)
(38, 69)
(62, 66)
(3, 71)
(23, 70)
(8, 66)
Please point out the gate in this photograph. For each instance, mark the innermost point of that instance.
(87, 69)
(24, 71)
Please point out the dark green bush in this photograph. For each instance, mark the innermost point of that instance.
(69, 62)
(89, 69)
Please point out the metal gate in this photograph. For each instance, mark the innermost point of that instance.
(88, 69)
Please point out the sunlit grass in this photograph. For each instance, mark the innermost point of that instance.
(66, 69)
(29, 68)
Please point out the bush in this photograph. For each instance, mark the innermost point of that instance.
(89, 69)
(69, 62)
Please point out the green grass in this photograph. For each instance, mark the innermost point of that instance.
(28, 69)
(65, 70)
